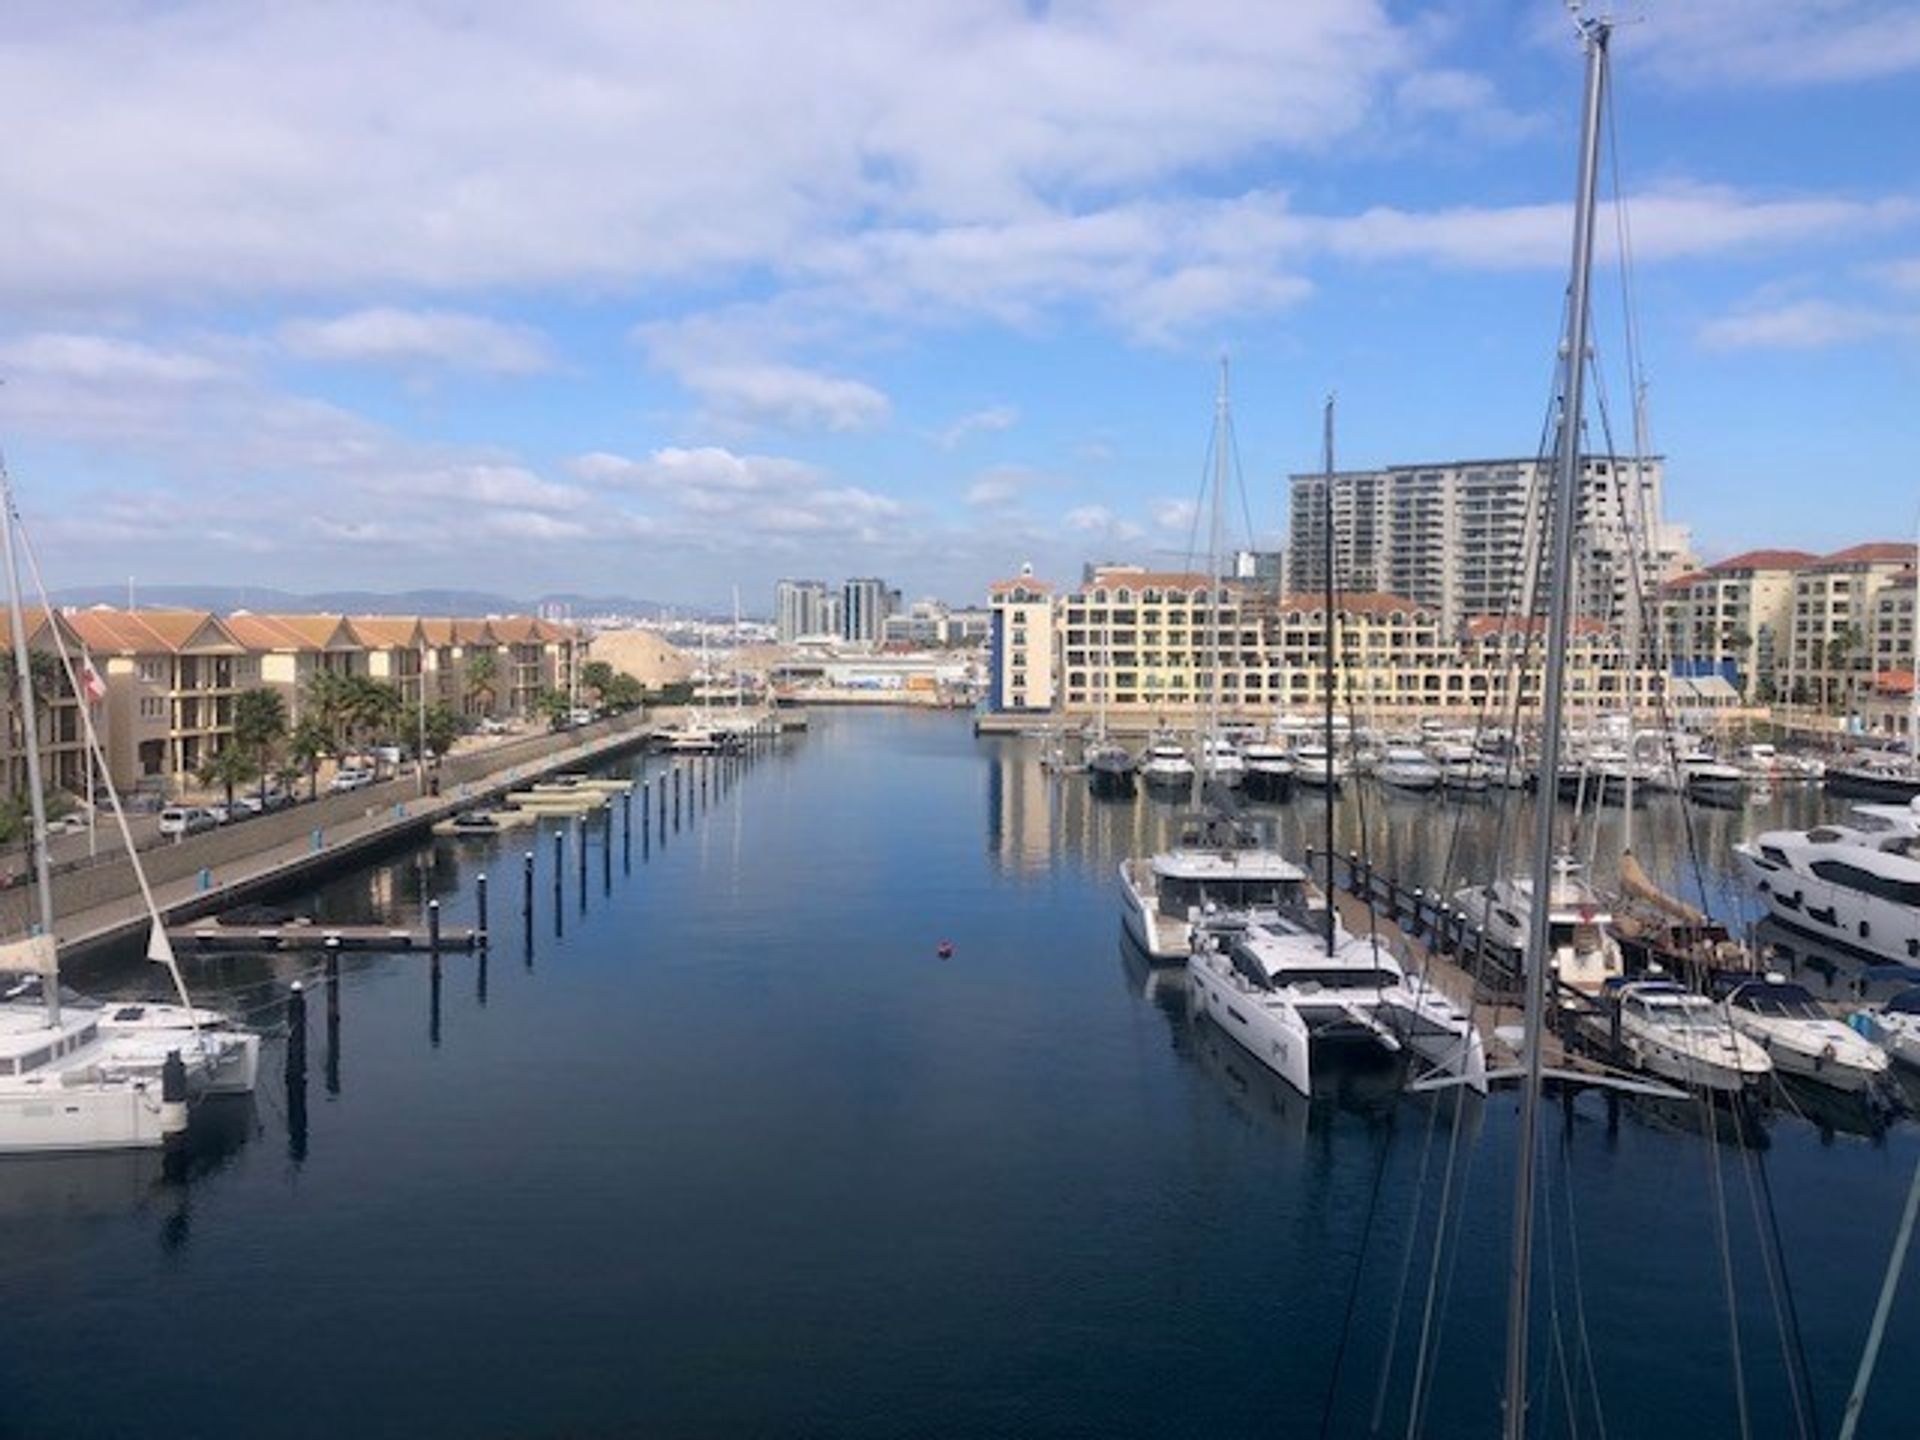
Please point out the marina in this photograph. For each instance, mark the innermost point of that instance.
(753, 998)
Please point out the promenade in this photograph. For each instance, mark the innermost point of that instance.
(204, 874)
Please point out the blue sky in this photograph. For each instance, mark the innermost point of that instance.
(662, 299)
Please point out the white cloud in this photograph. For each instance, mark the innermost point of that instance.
(991, 420)
(1807, 325)
(201, 149)
(789, 396)
(1775, 42)
(1175, 515)
(106, 360)
(1899, 274)
(445, 338)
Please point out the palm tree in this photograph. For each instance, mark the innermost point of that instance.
(309, 743)
(325, 702)
(483, 671)
(227, 768)
(259, 723)
(1840, 652)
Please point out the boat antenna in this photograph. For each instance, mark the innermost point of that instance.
(29, 737)
(1328, 633)
(1561, 517)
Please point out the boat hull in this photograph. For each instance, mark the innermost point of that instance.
(1818, 907)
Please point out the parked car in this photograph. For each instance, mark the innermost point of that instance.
(351, 778)
(487, 725)
(186, 820)
(254, 803)
(580, 715)
(225, 814)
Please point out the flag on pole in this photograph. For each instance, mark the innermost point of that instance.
(159, 947)
(92, 687)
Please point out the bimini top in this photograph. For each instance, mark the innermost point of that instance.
(1229, 864)
(1781, 999)
(1907, 1002)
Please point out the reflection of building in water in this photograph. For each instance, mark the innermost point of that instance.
(1019, 808)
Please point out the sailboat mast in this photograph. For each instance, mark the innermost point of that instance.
(1328, 632)
(29, 737)
(1559, 612)
(1221, 428)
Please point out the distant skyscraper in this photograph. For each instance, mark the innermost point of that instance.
(1463, 536)
(865, 604)
(799, 608)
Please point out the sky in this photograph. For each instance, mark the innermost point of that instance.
(658, 299)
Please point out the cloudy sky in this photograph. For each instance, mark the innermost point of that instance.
(659, 298)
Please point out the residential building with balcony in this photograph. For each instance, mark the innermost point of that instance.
(1020, 649)
(1733, 619)
(62, 736)
(1830, 656)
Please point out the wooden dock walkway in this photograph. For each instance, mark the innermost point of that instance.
(213, 937)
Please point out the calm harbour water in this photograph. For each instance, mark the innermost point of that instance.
(722, 1147)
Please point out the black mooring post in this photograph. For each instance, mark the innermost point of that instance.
(526, 903)
(480, 907)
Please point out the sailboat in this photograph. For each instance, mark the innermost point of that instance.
(1109, 764)
(75, 1075)
(1221, 862)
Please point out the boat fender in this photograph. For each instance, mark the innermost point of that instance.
(944, 950)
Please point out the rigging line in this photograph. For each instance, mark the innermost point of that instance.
(1240, 481)
(1437, 1308)
(1359, 1272)
(1890, 1283)
(1705, 1100)
(1579, 1288)
(1557, 1365)
(1406, 1266)
(1786, 1286)
(1767, 1257)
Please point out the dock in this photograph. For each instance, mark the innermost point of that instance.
(212, 937)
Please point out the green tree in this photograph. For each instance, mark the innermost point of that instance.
(227, 767)
(1840, 652)
(554, 707)
(624, 693)
(373, 710)
(310, 743)
(259, 724)
(483, 674)
(436, 736)
(326, 703)
(597, 676)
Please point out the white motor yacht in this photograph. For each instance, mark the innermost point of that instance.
(1406, 767)
(1800, 1037)
(1280, 989)
(1710, 781)
(1165, 764)
(1220, 760)
(1582, 953)
(1213, 867)
(1110, 767)
(1270, 769)
(1461, 768)
(1894, 1026)
(1858, 884)
(1310, 766)
(1683, 1037)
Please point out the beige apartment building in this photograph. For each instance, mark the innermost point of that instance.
(1830, 660)
(62, 731)
(1141, 644)
(172, 676)
(1735, 619)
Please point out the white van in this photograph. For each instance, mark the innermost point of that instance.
(177, 820)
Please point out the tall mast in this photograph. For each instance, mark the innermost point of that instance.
(29, 737)
(1594, 34)
(1221, 426)
(1913, 668)
(1328, 633)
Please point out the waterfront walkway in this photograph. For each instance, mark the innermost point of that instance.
(381, 816)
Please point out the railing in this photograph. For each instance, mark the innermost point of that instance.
(1494, 965)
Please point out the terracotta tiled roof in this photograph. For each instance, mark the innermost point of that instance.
(144, 632)
(514, 629)
(473, 632)
(1149, 579)
(438, 630)
(387, 632)
(1356, 602)
(1766, 560)
(1877, 552)
(1000, 587)
(305, 632)
(1894, 682)
(1692, 577)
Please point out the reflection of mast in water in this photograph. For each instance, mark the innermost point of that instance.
(296, 1076)
(333, 1024)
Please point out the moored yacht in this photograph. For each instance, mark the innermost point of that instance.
(1581, 953)
(1110, 767)
(1270, 769)
(1683, 1037)
(1894, 1026)
(1220, 761)
(1165, 764)
(1858, 884)
(1217, 865)
(1283, 990)
(1311, 766)
(1406, 767)
(1800, 1037)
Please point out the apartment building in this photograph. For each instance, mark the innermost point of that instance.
(1462, 537)
(1020, 649)
(1144, 645)
(1830, 659)
(62, 738)
(1890, 708)
(1734, 619)
(800, 608)
(291, 649)
(171, 678)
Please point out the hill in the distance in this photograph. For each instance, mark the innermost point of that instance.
(228, 598)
